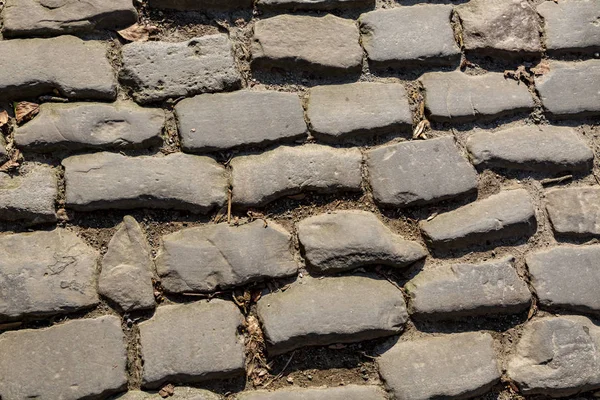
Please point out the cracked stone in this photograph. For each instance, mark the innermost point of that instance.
(574, 211)
(349, 392)
(201, 5)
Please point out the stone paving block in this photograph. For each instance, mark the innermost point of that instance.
(350, 392)
(455, 366)
(570, 89)
(314, 4)
(181, 393)
(244, 118)
(91, 126)
(80, 359)
(180, 181)
(127, 266)
(345, 240)
(30, 67)
(57, 17)
(565, 277)
(543, 148)
(206, 258)
(506, 215)
(44, 273)
(458, 97)
(29, 197)
(571, 25)
(356, 109)
(314, 312)
(500, 27)
(206, 345)
(260, 179)
(557, 356)
(159, 70)
(201, 5)
(324, 44)
(407, 36)
(419, 172)
(460, 290)
(574, 211)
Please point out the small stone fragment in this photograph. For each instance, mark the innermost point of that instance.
(313, 4)
(201, 5)
(244, 118)
(349, 392)
(331, 310)
(508, 214)
(345, 240)
(456, 366)
(207, 345)
(181, 393)
(574, 211)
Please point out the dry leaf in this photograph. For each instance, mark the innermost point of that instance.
(3, 118)
(541, 68)
(25, 111)
(421, 128)
(137, 32)
(167, 391)
(13, 162)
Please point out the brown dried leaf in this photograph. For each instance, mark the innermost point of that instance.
(137, 32)
(3, 118)
(540, 69)
(167, 391)
(420, 129)
(13, 162)
(25, 111)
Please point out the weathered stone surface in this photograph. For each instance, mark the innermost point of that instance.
(565, 277)
(571, 25)
(323, 44)
(350, 392)
(508, 214)
(570, 89)
(574, 211)
(30, 195)
(96, 181)
(201, 5)
(44, 273)
(79, 359)
(496, 27)
(557, 356)
(331, 310)
(350, 239)
(30, 67)
(206, 347)
(339, 111)
(243, 118)
(181, 393)
(455, 96)
(456, 366)
(419, 172)
(413, 35)
(468, 290)
(260, 179)
(206, 258)
(91, 126)
(313, 4)
(159, 70)
(126, 276)
(57, 17)
(534, 148)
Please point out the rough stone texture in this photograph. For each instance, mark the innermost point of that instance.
(405, 36)
(350, 392)
(557, 356)
(570, 89)
(340, 111)
(455, 96)
(57, 17)
(206, 347)
(508, 214)
(468, 290)
(350, 239)
(419, 172)
(566, 277)
(543, 148)
(30, 195)
(126, 276)
(574, 211)
(75, 360)
(181, 393)
(30, 67)
(314, 4)
(455, 366)
(497, 27)
(571, 25)
(159, 70)
(260, 179)
(206, 258)
(201, 5)
(324, 44)
(91, 126)
(44, 273)
(243, 118)
(331, 310)
(181, 181)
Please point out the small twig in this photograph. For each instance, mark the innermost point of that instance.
(367, 356)
(229, 206)
(549, 181)
(279, 375)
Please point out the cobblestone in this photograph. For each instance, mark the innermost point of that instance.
(331, 310)
(313, 4)
(202, 5)
(181, 393)
(574, 211)
(350, 392)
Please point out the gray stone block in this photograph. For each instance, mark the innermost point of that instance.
(181, 393)
(201, 5)
(313, 4)
(574, 211)
(350, 392)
